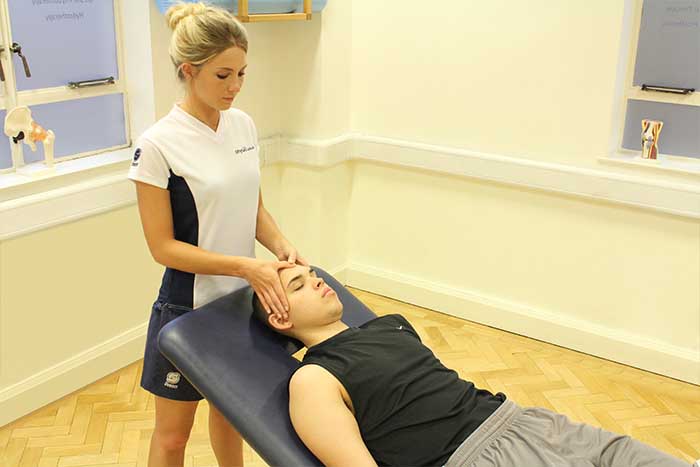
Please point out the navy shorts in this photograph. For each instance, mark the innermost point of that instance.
(160, 377)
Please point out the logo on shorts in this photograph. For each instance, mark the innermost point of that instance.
(137, 155)
(171, 380)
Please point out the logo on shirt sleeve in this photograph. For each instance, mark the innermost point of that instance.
(137, 155)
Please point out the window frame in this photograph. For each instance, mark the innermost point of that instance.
(103, 174)
(626, 90)
(12, 98)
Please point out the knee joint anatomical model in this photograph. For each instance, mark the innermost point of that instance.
(650, 138)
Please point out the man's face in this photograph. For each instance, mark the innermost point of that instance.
(311, 302)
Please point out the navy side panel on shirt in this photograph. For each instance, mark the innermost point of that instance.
(177, 287)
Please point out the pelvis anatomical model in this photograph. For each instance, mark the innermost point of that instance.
(19, 126)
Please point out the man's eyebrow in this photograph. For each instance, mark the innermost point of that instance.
(311, 271)
(296, 278)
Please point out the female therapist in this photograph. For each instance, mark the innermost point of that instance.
(198, 185)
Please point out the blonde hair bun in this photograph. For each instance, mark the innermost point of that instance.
(180, 11)
(200, 32)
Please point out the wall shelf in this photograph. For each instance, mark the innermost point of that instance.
(245, 17)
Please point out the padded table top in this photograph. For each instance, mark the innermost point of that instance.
(243, 368)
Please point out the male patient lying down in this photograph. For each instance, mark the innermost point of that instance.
(375, 395)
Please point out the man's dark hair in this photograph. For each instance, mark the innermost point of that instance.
(259, 313)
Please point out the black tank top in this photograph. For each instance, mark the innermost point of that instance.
(410, 408)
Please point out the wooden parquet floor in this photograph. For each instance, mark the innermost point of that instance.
(109, 422)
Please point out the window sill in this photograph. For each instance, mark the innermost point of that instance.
(71, 190)
(36, 178)
(682, 165)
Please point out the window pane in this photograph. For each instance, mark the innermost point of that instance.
(669, 44)
(679, 135)
(5, 154)
(93, 123)
(86, 49)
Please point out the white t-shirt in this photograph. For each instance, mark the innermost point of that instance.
(214, 180)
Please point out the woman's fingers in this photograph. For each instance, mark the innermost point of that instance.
(279, 288)
(284, 265)
(275, 307)
(292, 259)
(282, 297)
(270, 303)
(272, 292)
(275, 301)
(264, 300)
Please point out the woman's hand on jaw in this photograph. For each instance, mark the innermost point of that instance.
(263, 276)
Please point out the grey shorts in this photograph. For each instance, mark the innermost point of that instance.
(513, 436)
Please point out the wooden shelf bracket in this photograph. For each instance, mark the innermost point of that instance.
(244, 17)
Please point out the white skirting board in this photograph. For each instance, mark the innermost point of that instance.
(583, 336)
(53, 383)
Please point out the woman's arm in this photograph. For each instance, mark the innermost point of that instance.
(157, 222)
(270, 236)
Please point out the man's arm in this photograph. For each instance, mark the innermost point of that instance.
(323, 421)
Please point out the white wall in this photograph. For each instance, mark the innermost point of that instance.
(522, 78)
(617, 282)
(534, 81)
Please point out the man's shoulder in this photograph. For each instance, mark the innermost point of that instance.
(312, 379)
(310, 375)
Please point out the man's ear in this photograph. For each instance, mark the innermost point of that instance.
(279, 323)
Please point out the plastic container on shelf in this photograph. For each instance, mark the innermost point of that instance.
(255, 7)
